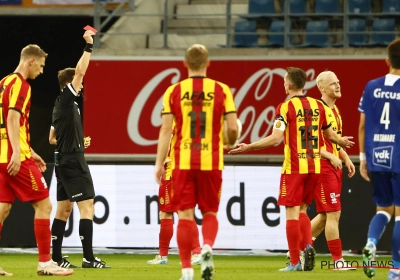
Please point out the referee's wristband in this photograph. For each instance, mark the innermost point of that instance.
(362, 156)
(88, 47)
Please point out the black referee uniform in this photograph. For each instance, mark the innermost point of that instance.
(76, 182)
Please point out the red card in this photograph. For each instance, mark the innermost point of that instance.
(88, 27)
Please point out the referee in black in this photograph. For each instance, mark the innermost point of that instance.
(75, 183)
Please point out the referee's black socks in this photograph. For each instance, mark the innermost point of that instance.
(86, 236)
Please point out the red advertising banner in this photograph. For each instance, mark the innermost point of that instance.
(123, 98)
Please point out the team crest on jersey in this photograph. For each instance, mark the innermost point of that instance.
(382, 156)
(278, 125)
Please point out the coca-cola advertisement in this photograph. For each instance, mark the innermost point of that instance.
(123, 98)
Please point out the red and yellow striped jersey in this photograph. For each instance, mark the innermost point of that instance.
(199, 105)
(170, 156)
(304, 118)
(334, 118)
(15, 94)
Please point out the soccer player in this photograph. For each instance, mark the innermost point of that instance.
(327, 192)
(20, 166)
(76, 184)
(198, 105)
(5, 273)
(300, 120)
(165, 193)
(379, 141)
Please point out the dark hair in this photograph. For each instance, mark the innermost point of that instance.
(65, 76)
(297, 77)
(394, 53)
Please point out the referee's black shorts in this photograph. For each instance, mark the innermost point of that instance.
(74, 181)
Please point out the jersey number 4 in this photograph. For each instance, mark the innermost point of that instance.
(385, 115)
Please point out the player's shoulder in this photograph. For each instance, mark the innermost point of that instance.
(380, 81)
(224, 86)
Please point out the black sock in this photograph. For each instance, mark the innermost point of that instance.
(86, 235)
(57, 236)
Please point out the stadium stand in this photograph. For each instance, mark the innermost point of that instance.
(359, 6)
(360, 38)
(391, 6)
(245, 40)
(382, 25)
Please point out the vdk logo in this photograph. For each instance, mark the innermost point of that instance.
(382, 156)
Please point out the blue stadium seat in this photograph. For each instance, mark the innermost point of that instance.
(391, 6)
(278, 40)
(259, 7)
(245, 40)
(297, 6)
(380, 25)
(359, 6)
(326, 6)
(316, 40)
(360, 39)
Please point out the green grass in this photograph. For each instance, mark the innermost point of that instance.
(130, 266)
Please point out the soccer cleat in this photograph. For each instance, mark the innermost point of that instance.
(196, 259)
(291, 267)
(159, 260)
(309, 258)
(96, 263)
(5, 273)
(65, 263)
(187, 274)
(368, 257)
(343, 265)
(207, 264)
(187, 277)
(301, 258)
(394, 274)
(53, 270)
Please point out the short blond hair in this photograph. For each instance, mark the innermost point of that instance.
(197, 57)
(32, 51)
(321, 76)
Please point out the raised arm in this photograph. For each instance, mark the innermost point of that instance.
(83, 62)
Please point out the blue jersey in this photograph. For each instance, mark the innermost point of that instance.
(381, 105)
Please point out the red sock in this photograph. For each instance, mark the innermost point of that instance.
(196, 243)
(164, 238)
(43, 238)
(209, 229)
(335, 247)
(293, 235)
(184, 238)
(305, 229)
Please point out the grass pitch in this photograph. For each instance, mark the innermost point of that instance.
(134, 266)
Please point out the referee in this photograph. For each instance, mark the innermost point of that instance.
(75, 182)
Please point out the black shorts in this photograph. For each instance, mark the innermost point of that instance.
(74, 181)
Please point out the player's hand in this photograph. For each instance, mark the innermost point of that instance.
(86, 142)
(345, 142)
(364, 170)
(350, 167)
(242, 148)
(14, 165)
(336, 162)
(159, 173)
(88, 36)
(39, 162)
